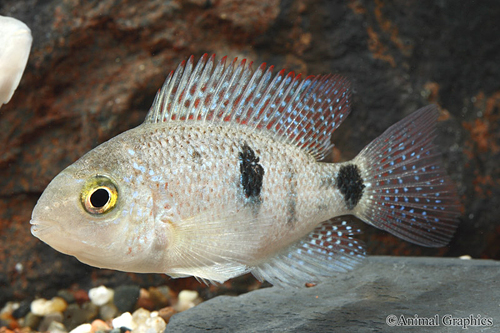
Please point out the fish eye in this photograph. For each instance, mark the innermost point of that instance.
(99, 195)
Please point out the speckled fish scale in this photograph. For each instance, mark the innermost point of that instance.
(223, 178)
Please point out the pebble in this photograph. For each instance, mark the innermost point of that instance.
(151, 325)
(67, 296)
(83, 328)
(126, 297)
(9, 308)
(32, 320)
(76, 315)
(160, 296)
(101, 295)
(187, 299)
(108, 311)
(166, 313)
(99, 325)
(140, 316)
(145, 300)
(42, 307)
(56, 327)
(49, 319)
(125, 320)
(22, 310)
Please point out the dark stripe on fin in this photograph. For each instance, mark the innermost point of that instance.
(252, 173)
(350, 184)
(292, 198)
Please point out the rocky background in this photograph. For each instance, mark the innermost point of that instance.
(95, 67)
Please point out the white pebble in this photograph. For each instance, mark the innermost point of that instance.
(140, 316)
(465, 257)
(83, 328)
(42, 307)
(15, 39)
(9, 308)
(125, 320)
(152, 325)
(188, 296)
(101, 295)
(187, 299)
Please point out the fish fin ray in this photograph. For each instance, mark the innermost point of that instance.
(328, 250)
(301, 112)
(217, 247)
(407, 190)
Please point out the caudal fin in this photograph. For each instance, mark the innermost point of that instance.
(407, 190)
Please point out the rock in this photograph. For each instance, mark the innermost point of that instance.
(76, 315)
(160, 296)
(101, 295)
(22, 310)
(49, 319)
(126, 297)
(145, 300)
(151, 325)
(139, 317)
(125, 320)
(108, 311)
(166, 313)
(360, 301)
(68, 296)
(83, 328)
(56, 327)
(186, 300)
(99, 325)
(32, 320)
(42, 307)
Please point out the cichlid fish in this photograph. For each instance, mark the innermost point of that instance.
(223, 178)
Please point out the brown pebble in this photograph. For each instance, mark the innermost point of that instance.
(145, 300)
(309, 284)
(99, 325)
(81, 296)
(166, 313)
(159, 299)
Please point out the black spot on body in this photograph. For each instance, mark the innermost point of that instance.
(252, 173)
(292, 198)
(350, 184)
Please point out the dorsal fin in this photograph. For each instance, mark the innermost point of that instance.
(302, 112)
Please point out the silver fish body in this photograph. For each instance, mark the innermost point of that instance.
(223, 179)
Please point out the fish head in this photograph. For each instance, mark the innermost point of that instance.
(99, 211)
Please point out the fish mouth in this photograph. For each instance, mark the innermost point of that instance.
(39, 229)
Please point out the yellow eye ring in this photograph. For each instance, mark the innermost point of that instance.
(99, 195)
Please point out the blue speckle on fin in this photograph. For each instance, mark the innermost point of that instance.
(327, 250)
(409, 194)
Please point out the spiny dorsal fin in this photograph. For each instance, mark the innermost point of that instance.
(302, 112)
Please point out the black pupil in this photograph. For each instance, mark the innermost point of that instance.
(99, 198)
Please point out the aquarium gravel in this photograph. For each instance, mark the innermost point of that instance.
(98, 310)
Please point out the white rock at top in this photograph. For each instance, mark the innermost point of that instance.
(101, 295)
(15, 45)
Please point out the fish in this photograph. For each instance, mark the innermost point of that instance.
(224, 177)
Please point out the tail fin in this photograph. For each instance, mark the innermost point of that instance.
(407, 191)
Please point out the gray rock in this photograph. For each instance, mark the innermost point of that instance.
(126, 297)
(361, 301)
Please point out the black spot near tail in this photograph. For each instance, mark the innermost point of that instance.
(350, 184)
(252, 173)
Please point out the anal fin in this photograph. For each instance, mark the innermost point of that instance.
(327, 250)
